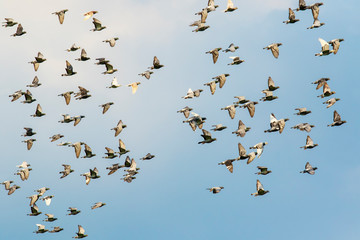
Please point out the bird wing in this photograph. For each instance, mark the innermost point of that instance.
(336, 46)
(19, 29)
(232, 112)
(212, 87)
(309, 141)
(83, 53)
(324, 45)
(38, 109)
(272, 118)
(271, 83)
(315, 11)
(105, 108)
(134, 87)
(109, 150)
(291, 14)
(229, 165)
(215, 55)
(121, 145)
(326, 88)
(109, 67)
(230, 4)
(242, 151)
(77, 147)
(127, 162)
(251, 109)
(275, 51)
(156, 61)
(206, 134)
(81, 230)
(29, 144)
(35, 80)
(61, 16)
(69, 66)
(67, 97)
(47, 202)
(337, 117)
(204, 15)
(259, 186)
(96, 23)
(281, 124)
(251, 157)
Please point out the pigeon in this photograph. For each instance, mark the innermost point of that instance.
(331, 102)
(34, 83)
(292, 18)
(242, 129)
(231, 109)
(231, 48)
(106, 106)
(61, 15)
(309, 143)
(337, 120)
(148, 156)
(83, 56)
(263, 171)
(251, 107)
(97, 24)
(98, 205)
(89, 14)
(309, 169)
(73, 48)
(19, 31)
(73, 211)
(274, 47)
(88, 152)
(229, 164)
(9, 22)
(186, 111)
(146, 74)
(38, 112)
(207, 137)
(134, 86)
(114, 83)
(302, 111)
(215, 190)
(215, 54)
(109, 69)
(69, 70)
(236, 61)
(67, 96)
(259, 189)
(230, 7)
(41, 229)
(119, 127)
(156, 64)
(29, 132)
(325, 48)
(218, 127)
(111, 41)
(67, 171)
(303, 127)
(56, 137)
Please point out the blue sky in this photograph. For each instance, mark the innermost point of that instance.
(168, 199)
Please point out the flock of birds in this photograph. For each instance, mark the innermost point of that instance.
(129, 164)
(195, 120)
(276, 125)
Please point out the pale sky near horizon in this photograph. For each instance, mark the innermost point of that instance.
(168, 200)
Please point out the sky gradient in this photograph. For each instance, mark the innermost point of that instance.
(168, 199)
